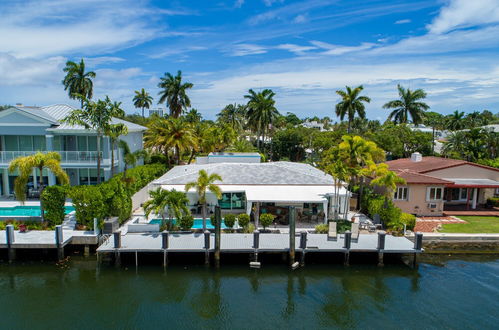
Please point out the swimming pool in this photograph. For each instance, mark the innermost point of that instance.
(198, 223)
(27, 211)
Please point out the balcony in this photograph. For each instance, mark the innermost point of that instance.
(67, 157)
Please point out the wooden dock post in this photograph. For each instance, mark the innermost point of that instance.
(165, 245)
(303, 246)
(418, 245)
(292, 230)
(348, 242)
(381, 247)
(9, 234)
(117, 246)
(218, 234)
(207, 247)
(256, 244)
(59, 242)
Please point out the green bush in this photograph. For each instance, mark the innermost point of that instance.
(53, 199)
(389, 214)
(408, 220)
(186, 222)
(322, 228)
(3, 224)
(230, 220)
(266, 219)
(493, 201)
(243, 220)
(249, 228)
(88, 203)
(343, 225)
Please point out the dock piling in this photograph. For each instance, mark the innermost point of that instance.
(418, 245)
(207, 247)
(9, 234)
(59, 242)
(117, 246)
(256, 244)
(165, 243)
(218, 234)
(348, 243)
(303, 246)
(292, 231)
(381, 247)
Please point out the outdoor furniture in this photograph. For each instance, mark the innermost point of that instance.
(355, 231)
(332, 233)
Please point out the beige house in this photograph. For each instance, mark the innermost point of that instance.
(437, 184)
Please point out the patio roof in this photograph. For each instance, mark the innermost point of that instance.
(472, 183)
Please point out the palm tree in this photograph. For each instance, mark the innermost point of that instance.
(95, 116)
(25, 165)
(233, 114)
(455, 121)
(142, 100)
(114, 132)
(351, 104)
(167, 133)
(174, 93)
(205, 182)
(261, 111)
(157, 203)
(77, 82)
(388, 180)
(193, 116)
(177, 204)
(407, 105)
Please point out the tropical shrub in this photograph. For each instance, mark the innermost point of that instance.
(249, 228)
(186, 222)
(389, 214)
(53, 199)
(3, 224)
(230, 220)
(243, 220)
(493, 201)
(322, 228)
(343, 225)
(409, 220)
(266, 219)
(88, 203)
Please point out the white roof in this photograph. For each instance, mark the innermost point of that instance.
(276, 193)
(474, 182)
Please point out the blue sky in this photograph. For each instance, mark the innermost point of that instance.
(303, 50)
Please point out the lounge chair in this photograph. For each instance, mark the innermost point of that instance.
(332, 233)
(355, 231)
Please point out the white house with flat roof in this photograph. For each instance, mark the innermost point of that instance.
(267, 187)
(25, 130)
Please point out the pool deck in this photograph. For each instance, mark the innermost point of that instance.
(243, 243)
(45, 239)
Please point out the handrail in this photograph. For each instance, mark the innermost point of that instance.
(66, 156)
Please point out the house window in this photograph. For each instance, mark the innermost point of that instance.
(401, 194)
(232, 201)
(434, 194)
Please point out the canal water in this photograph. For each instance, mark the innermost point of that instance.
(444, 292)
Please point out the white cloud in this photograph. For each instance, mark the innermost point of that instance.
(247, 49)
(465, 13)
(297, 49)
(403, 21)
(34, 72)
(238, 3)
(340, 49)
(300, 19)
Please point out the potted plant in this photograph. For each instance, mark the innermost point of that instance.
(230, 220)
(243, 220)
(266, 220)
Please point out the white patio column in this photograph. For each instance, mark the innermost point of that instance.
(475, 198)
(325, 205)
(35, 183)
(5, 181)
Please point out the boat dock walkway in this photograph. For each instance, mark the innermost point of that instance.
(244, 243)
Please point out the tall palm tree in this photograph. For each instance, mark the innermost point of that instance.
(142, 100)
(351, 104)
(174, 92)
(455, 121)
(177, 202)
(167, 133)
(39, 161)
(114, 132)
(233, 114)
(96, 116)
(77, 82)
(193, 116)
(157, 203)
(408, 105)
(202, 184)
(261, 112)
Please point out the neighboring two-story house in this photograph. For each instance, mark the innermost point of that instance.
(26, 130)
(435, 184)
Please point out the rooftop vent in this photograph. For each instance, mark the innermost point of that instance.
(416, 157)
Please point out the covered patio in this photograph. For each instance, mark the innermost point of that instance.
(467, 194)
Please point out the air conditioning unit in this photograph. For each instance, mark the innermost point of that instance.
(432, 205)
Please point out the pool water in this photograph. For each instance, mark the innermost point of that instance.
(27, 211)
(198, 223)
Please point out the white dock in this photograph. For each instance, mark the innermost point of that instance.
(45, 239)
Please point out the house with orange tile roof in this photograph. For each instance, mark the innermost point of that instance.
(434, 184)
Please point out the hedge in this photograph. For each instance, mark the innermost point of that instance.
(266, 219)
(53, 199)
(114, 197)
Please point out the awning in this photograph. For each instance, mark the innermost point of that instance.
(472, 183)
(277, 193)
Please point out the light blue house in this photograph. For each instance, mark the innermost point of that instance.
(26, 130)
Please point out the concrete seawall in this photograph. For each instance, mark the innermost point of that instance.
(460, 243)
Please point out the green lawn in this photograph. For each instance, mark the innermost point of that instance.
(476, 224)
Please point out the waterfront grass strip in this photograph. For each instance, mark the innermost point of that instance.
(474, 225)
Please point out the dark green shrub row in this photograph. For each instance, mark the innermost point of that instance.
(114, 197)
(493, 201)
